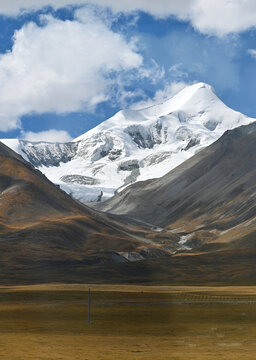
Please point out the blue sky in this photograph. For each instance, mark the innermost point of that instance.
(68, 65)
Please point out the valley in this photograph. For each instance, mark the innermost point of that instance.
(194, 225)
(127, 180)
(209, 200)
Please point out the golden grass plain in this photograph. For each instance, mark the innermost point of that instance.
(49, 322)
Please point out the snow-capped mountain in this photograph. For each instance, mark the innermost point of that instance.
(134, 145)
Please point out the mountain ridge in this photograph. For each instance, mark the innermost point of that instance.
(39, 222)
(134, 145)
(203, 233)
(209, 200)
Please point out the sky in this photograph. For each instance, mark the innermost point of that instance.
(68, 65)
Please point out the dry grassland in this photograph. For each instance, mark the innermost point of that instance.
(49, 322)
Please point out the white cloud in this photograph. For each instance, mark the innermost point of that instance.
(252, 52)
(177, 72)
(62, 66)
(154, 72)
(48, 136)
(218, 17)
(161, 8)
(221, 17)
(162, 95)
(14, 7)
(214, 17)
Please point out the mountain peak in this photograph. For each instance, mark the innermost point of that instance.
(135, 145)
(190, 90)
(193, 99)
(202, 85)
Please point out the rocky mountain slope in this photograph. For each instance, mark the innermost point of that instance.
(46, 236)
(209, 200)
(41, 227)
(134, 145)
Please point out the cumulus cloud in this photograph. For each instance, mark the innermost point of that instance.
(222, 17)
(161, 95)
(47, 136)
(62, 66)
(218, 17)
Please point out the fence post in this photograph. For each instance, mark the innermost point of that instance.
(89, 306)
